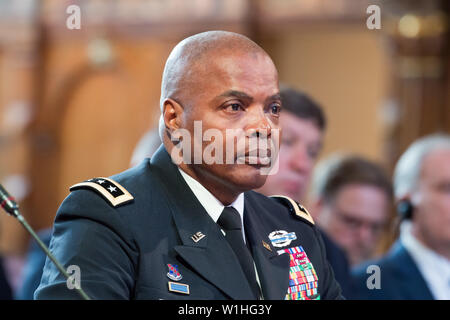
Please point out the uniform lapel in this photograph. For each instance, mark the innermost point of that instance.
(273, 269)
(211, 256)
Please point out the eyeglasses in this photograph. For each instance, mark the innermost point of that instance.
(355, 224)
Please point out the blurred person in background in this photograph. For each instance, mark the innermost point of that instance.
(34, 265)
(304, 123)
(5, 288)
(146, 146)
(352, 198)
(418, 264)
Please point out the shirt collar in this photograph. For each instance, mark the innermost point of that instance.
(211, 204)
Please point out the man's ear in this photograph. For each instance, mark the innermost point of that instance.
(172, 112)
(415, 198)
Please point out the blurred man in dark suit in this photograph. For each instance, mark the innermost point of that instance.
(418, 264)
(5, 288)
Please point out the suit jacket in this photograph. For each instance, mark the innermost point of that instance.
(400, 278)
(123, 252)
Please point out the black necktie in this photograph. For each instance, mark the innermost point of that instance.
(230, 222)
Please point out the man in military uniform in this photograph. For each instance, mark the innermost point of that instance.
(194, 230)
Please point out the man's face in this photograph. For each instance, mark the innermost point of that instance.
(238, 92)
(431, 202)
(355, 219)
(300, 146)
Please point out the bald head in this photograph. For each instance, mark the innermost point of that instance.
(215, 83)
(192, 59)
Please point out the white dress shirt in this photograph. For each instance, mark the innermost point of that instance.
(211, 204)
(435, 269)
(214, 208)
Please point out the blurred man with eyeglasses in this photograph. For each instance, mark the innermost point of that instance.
(352, 197)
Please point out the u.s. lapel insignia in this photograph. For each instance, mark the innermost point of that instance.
(197, 236)
(173, 273)
(281, 238)
(266, 245)
(179, 287)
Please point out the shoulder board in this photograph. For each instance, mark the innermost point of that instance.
(294, 207)
(110, 190)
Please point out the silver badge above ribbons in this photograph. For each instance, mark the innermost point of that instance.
(282, 238)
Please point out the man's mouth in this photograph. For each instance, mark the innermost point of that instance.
(258, 157)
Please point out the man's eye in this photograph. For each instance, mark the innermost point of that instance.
(352, 223)
(313, 153)
(234, 107)
(287, 141)
(275, 109)
(444, 187)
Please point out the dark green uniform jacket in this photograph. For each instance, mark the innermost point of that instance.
(144, 235)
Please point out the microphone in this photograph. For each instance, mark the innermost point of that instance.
(8, 203)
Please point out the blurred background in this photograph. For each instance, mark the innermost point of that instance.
(74, 103)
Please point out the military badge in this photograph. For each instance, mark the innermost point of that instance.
(197, 236)
(281, 238)
(295, 208)
(303, 281)
(173, 273)
(266, 245)
(111, 190)
(179, 287)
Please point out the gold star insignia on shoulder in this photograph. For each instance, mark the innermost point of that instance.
(112, 191)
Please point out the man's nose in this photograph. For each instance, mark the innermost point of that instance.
(365, 233)
(259, 125)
